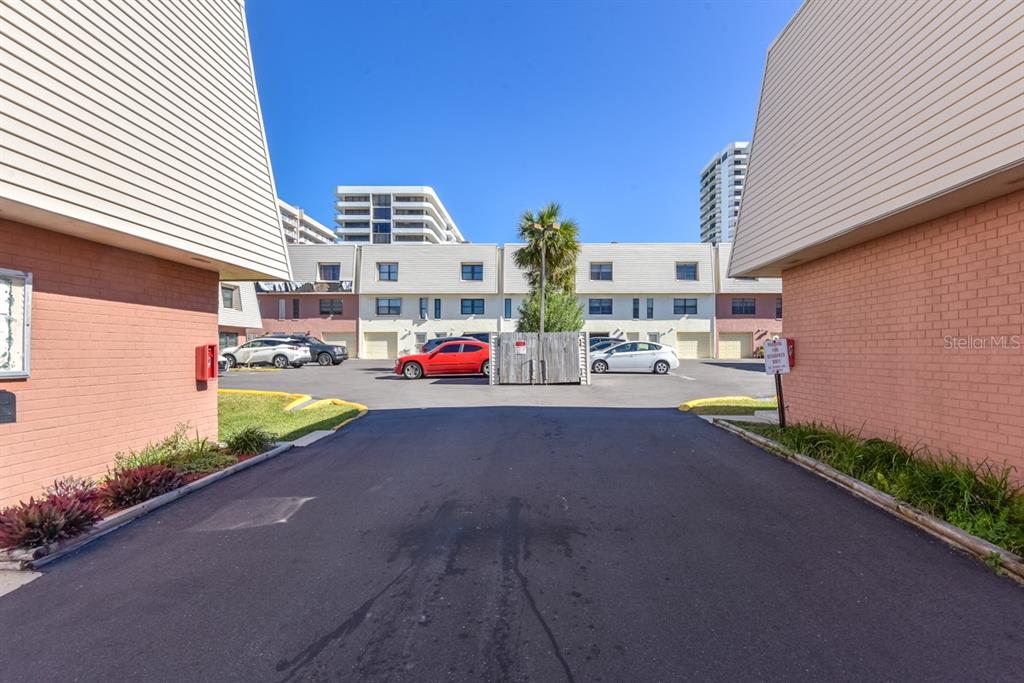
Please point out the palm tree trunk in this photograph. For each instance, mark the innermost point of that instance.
(543, 277)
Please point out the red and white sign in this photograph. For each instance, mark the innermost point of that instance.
(779, 356)
(521, 347)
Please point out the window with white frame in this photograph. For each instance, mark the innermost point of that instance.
(15, 322)
(230, 297)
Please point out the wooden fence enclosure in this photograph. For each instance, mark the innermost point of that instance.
(534, 358)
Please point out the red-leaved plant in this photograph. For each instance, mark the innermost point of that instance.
(127, 487)
(49, 519)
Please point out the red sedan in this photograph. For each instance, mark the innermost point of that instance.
(450, 358)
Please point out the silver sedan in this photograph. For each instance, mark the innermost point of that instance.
(635, 357)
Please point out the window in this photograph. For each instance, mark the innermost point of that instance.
(743, 307)
(421, 338)
(281, 309)
(600, 307)
(382, 200)
(472, 271)
(437, 309)
(382, 212)
(636, 309)
(227, 339)
(600, 271)
(654, 337)
(684, 306)
(624, 348)
(778, 308)
(424, 307)
(387, 272)
(296, 308)
(650, 308)
(331, 307)
(329, 272)
(686, 271)
(508, 308)
(389, 307)
(472, 307)
(229, 297)
(451, 348)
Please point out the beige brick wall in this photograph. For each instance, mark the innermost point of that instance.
(877, 328)
(113, 339)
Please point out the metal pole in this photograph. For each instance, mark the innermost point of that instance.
(781, 401)
(543, 277)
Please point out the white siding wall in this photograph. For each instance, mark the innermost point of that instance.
(665, 321)
(306, 257)
(731, 285)
(513, 279)
(249, 315)
(429, 268)
(869, 109)
(645, 268)
(138, 124)
(406, 325)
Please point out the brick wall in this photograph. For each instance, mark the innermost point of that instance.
(877, 328)
(113, 338)
(309, 319)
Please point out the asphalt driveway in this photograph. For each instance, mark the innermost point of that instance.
(547, 544)
(374, 384)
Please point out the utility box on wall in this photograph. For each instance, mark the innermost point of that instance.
(206, 362)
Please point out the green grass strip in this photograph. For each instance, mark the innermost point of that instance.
(240, 410)
(980, 498)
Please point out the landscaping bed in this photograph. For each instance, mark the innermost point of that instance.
(73, 506)
(277, 413)
(981, 499)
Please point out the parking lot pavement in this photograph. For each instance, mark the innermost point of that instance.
(515, 544)
(373, 383)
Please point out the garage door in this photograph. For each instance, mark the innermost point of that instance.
(346, 339)
(693, 344)
(735, 345)
(380, 345)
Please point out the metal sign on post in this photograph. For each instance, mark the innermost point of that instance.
(779, 358)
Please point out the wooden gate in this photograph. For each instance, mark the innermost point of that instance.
(533, 358)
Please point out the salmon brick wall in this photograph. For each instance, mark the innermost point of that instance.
(918, 334)
(113, 356)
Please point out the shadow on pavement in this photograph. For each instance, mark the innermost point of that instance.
(752, 367)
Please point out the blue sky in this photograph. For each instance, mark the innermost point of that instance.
(609, 108)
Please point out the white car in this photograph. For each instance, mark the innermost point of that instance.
(635, 356)
(277, 352)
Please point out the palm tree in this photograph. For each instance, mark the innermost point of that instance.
(552, 241)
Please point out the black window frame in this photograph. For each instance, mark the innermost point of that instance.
(296, 309)
(424, 307)
(473, 306)
(685, 306)
(687, 264)
(437, 309)
(331, 307)
(650, 307)
(636, 308)
(508, 308)
(743, 301)
(592, 303)
(329, 264)
(597, 268)
(474, 270)
(389, 306)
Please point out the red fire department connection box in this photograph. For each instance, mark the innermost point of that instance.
(206, 362)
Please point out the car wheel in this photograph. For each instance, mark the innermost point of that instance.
(324, 359)
(280, 362)
(485, 369)
(600, 367)
(231, 361)
(661, 367)
(412, 371)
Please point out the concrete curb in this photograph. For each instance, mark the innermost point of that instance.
(1009, 563)
(33, 558)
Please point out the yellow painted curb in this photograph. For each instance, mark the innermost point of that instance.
(712, 400)
(297, 399)
(351, 419)
(336, 402)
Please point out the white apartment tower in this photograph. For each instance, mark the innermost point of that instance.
(300, 228)
(386, 214)
(721, 188)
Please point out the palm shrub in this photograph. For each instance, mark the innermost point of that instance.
(562, 313)
(561, 241)
(249, 440)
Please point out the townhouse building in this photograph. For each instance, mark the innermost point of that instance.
(663, 293)
(902, 249)
(410, 293)
(238, 313)
(748, 310)
(320, 299)
(134, 177)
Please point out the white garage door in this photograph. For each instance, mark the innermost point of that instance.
(693, 344)
(380, 345)
(346, 339)
(735, 345)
